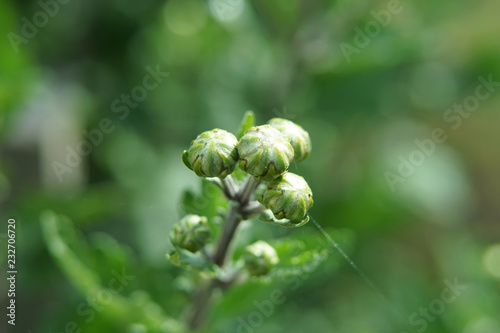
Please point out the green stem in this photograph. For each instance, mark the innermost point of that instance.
(242, 197)
(232, 221)
(201, 303)
(247, 190)
(229, 187)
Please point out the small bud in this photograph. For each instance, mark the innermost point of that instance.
(260, 258)
(212, 154)
(288, 197)
(264, 153)
(192, 233)
(298, 137)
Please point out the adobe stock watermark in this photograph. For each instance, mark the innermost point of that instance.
(372, 29)
(284, 114)
(98, 300)
(420, 320)
(30, 28)
(120, 106)
(454, 118)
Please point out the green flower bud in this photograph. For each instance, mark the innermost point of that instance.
(212, 154)
(264, 153)
(260, 258)
(192, 233)
(288, 197)
(298, 137)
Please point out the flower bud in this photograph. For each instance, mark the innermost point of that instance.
(288, 197)
(192, 233)
(298, 137)
(260, 258)
(264, 153)
(212, 154)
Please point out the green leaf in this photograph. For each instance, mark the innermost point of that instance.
(186, 259)
(296, 258)
(239, 175)
(301, 264)
(247, 122)
(173, 257)
(110, 255)
(268, 217)
(85, 279)
(207, 203)
(288, 248)
(56, 231)
(187, 205)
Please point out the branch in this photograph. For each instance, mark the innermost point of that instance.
(243, 197)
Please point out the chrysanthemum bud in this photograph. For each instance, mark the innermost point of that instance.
(288, 197)
(212, 154)
(260, 258)
(298, 137)
(264, 153)
(192, 233)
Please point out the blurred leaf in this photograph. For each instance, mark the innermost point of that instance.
(186, 259)
(118, 307)
(83, 278)
(296, 259)
(110, 255)
(238, 174)
(208, 203)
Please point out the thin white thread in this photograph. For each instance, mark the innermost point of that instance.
(353, 265)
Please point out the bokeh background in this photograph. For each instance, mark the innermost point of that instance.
(63, 77)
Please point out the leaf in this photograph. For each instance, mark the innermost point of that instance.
(195, 260)
(296, 258)
(289, 247)
(207, 203)
(268, 217)
(186, 259)
(110, 255)
(119, 308)
(84, 279)
(239, 175)
(187, 205)
(247, 122)
(302, 264)
(173, 257)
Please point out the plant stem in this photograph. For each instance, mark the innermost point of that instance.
(242, 197)
(229, 187)
(246, 191)
(202, 300)
(232, 221)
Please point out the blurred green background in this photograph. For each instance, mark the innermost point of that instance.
(67, 67)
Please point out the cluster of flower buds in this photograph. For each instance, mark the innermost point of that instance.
(192, 233)
(264, 152)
